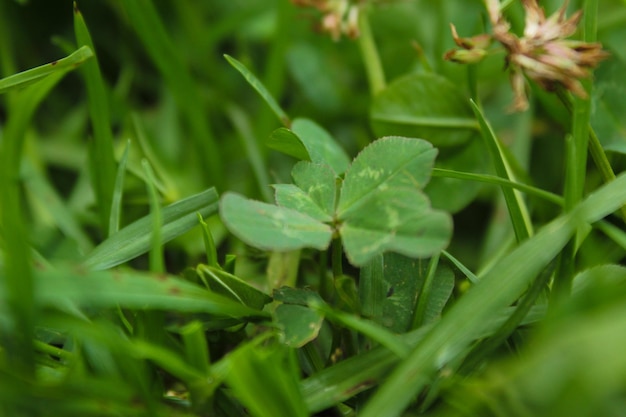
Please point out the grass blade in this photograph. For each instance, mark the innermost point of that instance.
(157, 264)
(18, 284)
(147, 23)
(101, 151)
(118, 191)
(260, 88)
(491, 179)
(44, 193)
(518, 212)
(25, 78)
(135, 239)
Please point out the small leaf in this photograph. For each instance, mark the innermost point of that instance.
(287, 142)
(320, 145)
(314, 192)
(426, 106)
(397, 219)
(270, 227)
(300, 324)
(293, 197)
(388, 162)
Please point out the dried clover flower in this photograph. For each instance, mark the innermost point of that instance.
(338, 16)
(543, 53)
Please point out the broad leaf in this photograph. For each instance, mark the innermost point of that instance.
(313, 193)
(397, 219)
(381, 205)
(388, 162)
(320, 145)
(426, 106)
(300, 324)
(270, 227)
(293, 197)
(299, 296)
(402, 279)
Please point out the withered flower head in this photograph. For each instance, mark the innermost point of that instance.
(543, 53)
(338, 16)
(472, 50)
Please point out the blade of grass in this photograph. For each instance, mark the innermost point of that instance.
(134, 239)
(209, 243)
(518, 211)
(265, 379)
(18, 282)
(25, 78)
(197, 355)
(425, 293)
(61, 286)
(166, 185)
(487, 346)
(7, 56)
(156, 254)
(260, 88)
(101, 155)
(491, 179)
(147, 23)
(347, 378)
(366, 327)
(469, 274)
(576, 158)
(43, 192)
(615, 233)
(118, 191)
(242, 125)
(371, 59)
(499, 287)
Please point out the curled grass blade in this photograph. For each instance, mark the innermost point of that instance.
(25, 78)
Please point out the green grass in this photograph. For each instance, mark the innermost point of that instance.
(216, 210)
